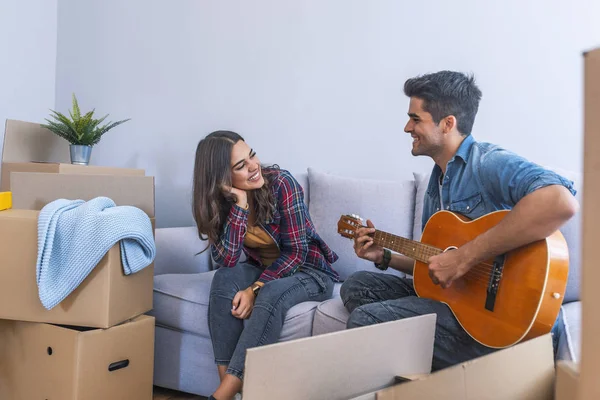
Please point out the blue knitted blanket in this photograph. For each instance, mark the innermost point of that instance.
(74, 235)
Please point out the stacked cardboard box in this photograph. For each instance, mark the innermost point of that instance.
(97, 343)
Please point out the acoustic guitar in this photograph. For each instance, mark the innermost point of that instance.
(499, 302)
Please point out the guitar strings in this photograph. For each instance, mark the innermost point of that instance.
(479, 272)
(430, 250)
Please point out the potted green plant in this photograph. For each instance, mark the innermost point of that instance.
(81, 131)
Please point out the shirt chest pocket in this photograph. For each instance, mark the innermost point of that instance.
(469, 205)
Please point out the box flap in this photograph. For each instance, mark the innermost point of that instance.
(528, 366)
(341, 364)
(28, 141)
(567, 380)
(18, 213)
(32, 191)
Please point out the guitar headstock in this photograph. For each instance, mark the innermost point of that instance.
(348, 224)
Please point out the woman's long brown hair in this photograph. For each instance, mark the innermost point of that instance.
(212, 171)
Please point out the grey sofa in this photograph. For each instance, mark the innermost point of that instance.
(183, 350)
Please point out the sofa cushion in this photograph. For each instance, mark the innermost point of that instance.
(181, 302)
(572, 233)
(331, 316)
(421, 183)
(176, 251)
(302, 178)
(569, 341)
(185, 362)
(389, 204)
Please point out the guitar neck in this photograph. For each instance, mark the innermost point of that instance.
(410, 248)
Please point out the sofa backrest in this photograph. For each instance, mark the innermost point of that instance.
(393, 206)
(389, 204)
(177, 251)
(572, 233)
(302, 178)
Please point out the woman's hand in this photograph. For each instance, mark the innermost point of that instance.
(243, 303)
(241, 196)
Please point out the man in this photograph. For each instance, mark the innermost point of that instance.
(475, 178)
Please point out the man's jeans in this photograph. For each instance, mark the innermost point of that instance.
(230, 336)
(373, 298)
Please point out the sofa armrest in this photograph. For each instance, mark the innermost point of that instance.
(176, 250)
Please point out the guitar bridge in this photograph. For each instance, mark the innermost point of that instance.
(494, 282)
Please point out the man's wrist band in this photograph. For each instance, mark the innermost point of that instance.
(387, 257)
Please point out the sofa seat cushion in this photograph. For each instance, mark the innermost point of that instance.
(181, 303)
(185, 362)
(331, 316)
(569, 341)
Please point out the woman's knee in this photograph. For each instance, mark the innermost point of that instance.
(272, 291)
(274, 296)
(223, 280)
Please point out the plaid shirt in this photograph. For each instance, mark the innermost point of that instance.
(291, 228)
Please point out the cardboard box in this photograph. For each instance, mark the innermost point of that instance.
(567, 380)
(60, 168)
(342, 364)
(524, 371)
(105, 298)
(590, 275)
(32, 191)
(363, 363)
(42, 361)
(30, 148)
(28, 141)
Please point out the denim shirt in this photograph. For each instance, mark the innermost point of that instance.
(482, 178)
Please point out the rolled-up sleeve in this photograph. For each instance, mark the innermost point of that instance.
(510, 177)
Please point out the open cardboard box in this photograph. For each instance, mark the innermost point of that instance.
(43, 361)
(105, 298)
(340, 365)
(367, 363)
(524, 371)
(567, 380)
(34, 169)
(30, 148)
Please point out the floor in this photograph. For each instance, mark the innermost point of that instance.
(166, 394)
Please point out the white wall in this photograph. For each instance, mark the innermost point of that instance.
(317, 83)
(27, 60)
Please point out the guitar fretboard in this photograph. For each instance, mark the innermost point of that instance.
(410, 248)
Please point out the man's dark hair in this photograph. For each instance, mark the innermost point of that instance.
(447, 93)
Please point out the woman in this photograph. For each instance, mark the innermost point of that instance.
(240, 206)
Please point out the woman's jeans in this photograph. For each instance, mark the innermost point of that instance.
(231, 337)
